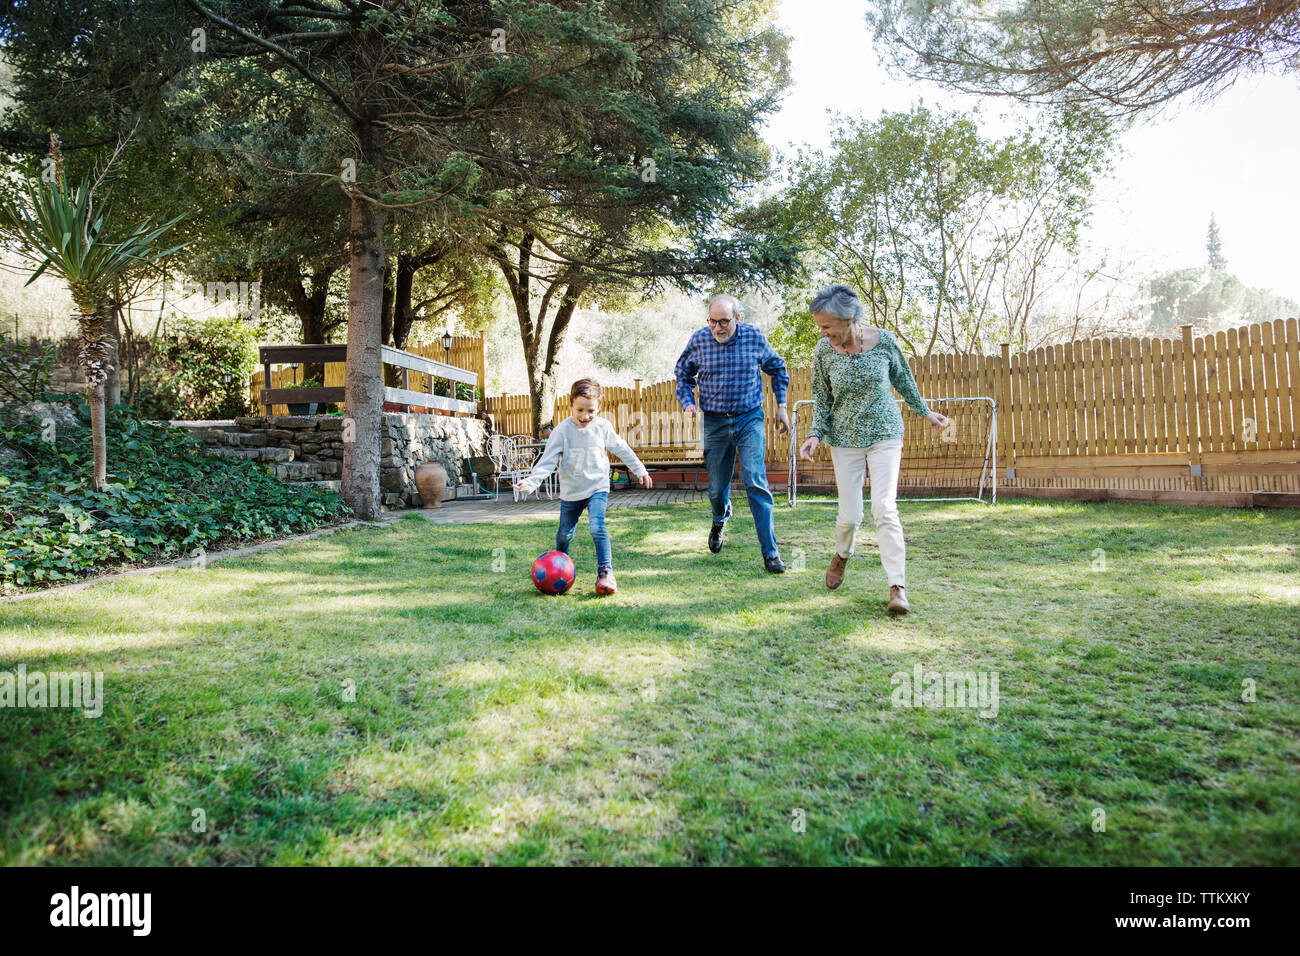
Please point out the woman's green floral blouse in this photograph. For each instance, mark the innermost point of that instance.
(853, 406)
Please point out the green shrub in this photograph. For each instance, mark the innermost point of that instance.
(165, 498)
(464, 391)
(25, 370)
(185, 378)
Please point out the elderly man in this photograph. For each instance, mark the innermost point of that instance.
(727, 360)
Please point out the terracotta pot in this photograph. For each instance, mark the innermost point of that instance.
(431, 480)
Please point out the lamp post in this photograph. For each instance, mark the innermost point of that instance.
(227, 377)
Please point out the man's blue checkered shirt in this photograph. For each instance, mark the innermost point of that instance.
(729, 375)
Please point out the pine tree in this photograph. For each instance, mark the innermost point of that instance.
(1214, 246)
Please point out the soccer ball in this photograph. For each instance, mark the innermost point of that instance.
(553, 572)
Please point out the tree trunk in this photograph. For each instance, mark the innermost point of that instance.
(543, 389)
(310, 309)
(113, 384)
(365, 387)
(541, 343)
(403, 284)
(386, 319)
(95, 359)
(99, 438)
(548, 353)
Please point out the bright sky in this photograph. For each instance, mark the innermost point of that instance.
(1238, 157)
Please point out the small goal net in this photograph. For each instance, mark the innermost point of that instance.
(956, 463)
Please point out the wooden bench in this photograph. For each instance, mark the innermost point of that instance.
(671, 457)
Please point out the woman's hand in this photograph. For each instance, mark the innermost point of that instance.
(936, 420)
(647, 481)
(808, 447)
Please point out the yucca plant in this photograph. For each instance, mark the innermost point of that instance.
(66, 231)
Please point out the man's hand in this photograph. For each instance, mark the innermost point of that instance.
(782, 421)
(689, 411)
(807, 448)
(647, 481)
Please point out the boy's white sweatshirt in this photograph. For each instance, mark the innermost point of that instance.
(581, 456)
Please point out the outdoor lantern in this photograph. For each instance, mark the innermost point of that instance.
(446, 341)
(227, 376)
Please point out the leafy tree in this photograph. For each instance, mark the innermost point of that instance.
(1118, 56)
(378, 95)
(440, 128)
(486, 113)
(648, 186)
(1209, 299)
(952, 238)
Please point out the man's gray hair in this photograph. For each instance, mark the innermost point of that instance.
(838, 300)
(731, 300)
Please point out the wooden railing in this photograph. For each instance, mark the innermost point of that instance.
(417, 372)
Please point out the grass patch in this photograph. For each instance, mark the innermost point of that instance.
(384, 696)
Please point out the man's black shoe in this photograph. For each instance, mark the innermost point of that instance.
(715, 537)
(774, 564)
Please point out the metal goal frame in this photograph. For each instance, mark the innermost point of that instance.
(988, 472)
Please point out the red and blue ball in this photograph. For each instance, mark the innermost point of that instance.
(553, 572)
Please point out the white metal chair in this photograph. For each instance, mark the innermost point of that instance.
(514, 462)
(501, 452)
(551, 485)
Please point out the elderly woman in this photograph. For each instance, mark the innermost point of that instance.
(856, 415)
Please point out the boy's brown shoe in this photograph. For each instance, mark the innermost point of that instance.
(835, 573)
(898, 600)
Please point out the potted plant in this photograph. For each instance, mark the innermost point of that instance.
(305, 408)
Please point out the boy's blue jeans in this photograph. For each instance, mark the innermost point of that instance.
(570, 511)
(722, 438)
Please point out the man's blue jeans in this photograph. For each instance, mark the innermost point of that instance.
(723, 437)
(570, 511)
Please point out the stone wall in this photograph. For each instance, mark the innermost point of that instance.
(409, 440)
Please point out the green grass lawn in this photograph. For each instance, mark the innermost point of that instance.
(707, 713)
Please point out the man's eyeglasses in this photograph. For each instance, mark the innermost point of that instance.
(719, 323)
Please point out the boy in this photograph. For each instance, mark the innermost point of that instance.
(579, 448)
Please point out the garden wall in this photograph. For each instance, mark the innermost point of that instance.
(409, 441)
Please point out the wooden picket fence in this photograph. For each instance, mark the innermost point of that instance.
(1212, 413)
(467, 352)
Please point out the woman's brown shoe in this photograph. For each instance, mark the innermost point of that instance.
(835, 573)
(898, 600)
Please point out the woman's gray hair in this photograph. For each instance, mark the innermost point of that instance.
(838, 300)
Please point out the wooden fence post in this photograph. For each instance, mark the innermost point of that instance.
(482, 368)
(1192, 395)
(266, 383)
(636, 401)
(1006, 449)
